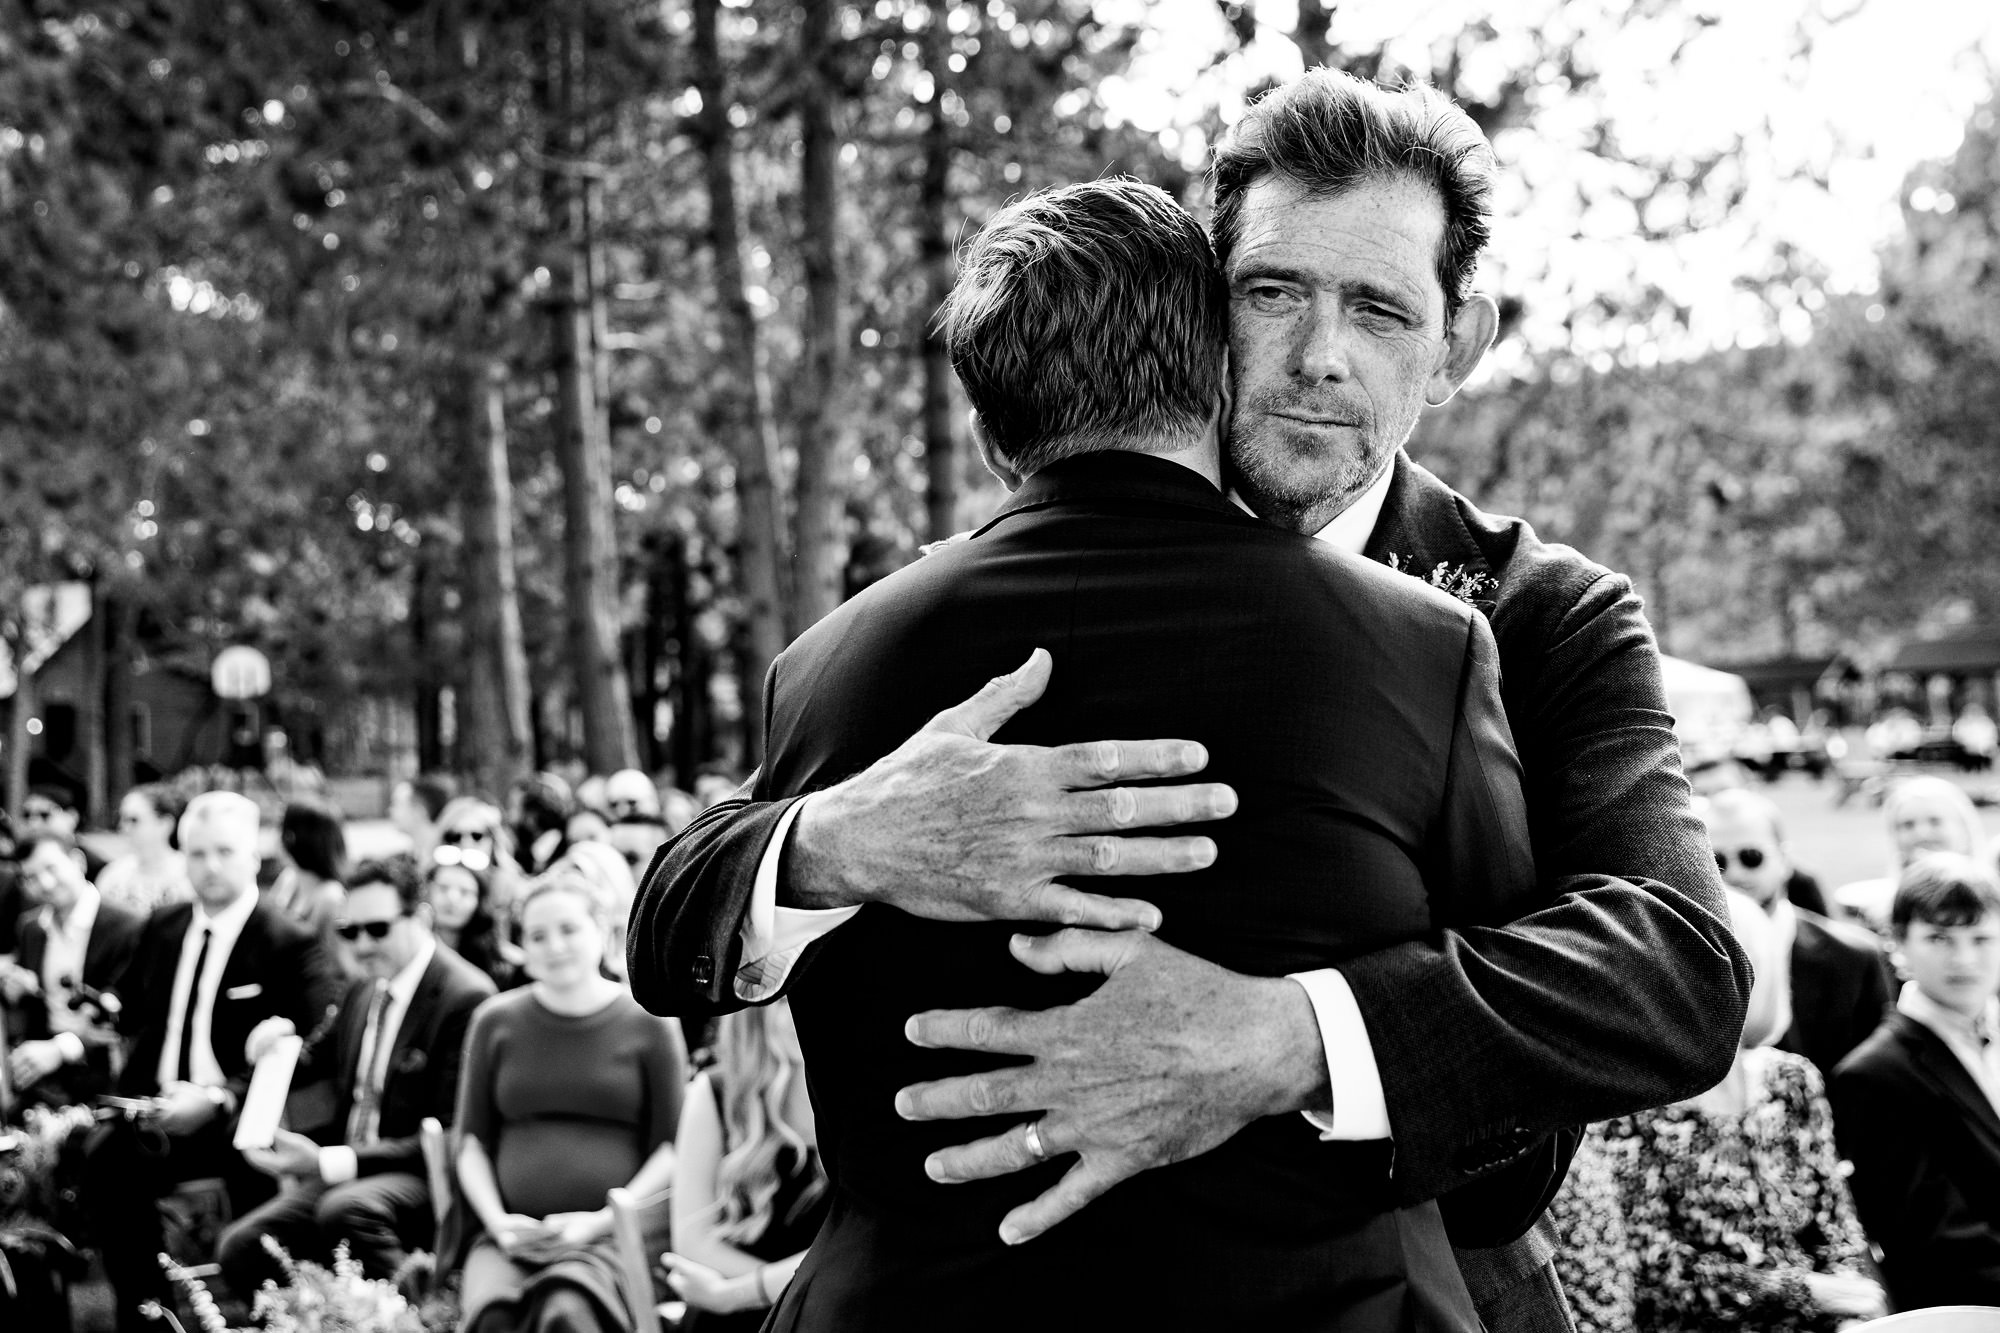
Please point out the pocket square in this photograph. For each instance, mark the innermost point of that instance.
(412, 1062)
(248, 992)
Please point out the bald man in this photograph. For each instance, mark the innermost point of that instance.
(205, 973)
(1839, 978)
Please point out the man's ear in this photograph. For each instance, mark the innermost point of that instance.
(989, 455)
(1466, 340)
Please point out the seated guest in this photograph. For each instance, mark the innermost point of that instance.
(394, 1059)
(313, 847)
(205, 974)
(153, 873)
(73, 946)
(538, 805)
(570, 1089)
(1733, 1200)
(749, 1193)
(461, 914)
(414, 807)
(472, 832)
(1840, 980)
(612, 881)
(629, 792)
(1921, 815)
(1917, 1105)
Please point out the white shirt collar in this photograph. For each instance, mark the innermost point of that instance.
(404, 984)
(229, 921)
(1351, 527)
(1953, 1026)
(81, 917)
(1785, 917)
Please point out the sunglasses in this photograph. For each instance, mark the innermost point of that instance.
(472, 858)
(37, 810)
(465, 835)
(1750, 858)
(374, 930)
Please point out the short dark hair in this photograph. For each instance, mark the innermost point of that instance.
(433, 791)
(398, 870)
(1089, 316)
(1943, 889)
(63, 842)
(166, 803)
(310, 832)
(55, 792)
(1330, 132)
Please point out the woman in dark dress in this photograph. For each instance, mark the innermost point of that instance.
(569, 1089)
(751, 1193)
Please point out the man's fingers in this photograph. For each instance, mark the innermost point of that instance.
(1097, 763)
(1001, 1155)
(1110, 809)
(1083, 1182)
(998, 700)
(996, 1092)
(1106, 855)
(990, 1029)
(1078, 950)
(1073, 907)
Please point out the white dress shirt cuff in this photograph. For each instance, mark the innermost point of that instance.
(773, 937)
(338, 1164)
(1360, 1111)
(70, 1047)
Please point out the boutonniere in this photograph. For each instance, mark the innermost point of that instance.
(1457, 580)
(413, 1061)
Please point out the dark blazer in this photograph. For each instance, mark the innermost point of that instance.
(114, 938)
(1622, 989)
(1925, 1143)
(1356, 714)
(1840, 986)
(421, 1078)
(277, 968)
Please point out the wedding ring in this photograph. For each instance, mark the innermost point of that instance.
(1034, 1138)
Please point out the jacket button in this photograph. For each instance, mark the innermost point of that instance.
(704, 970)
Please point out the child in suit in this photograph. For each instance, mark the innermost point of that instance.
(1917, 1105)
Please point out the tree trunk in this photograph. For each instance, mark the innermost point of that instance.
(18, 739)
(819, 526)
(428, 706)
(1313, 33)
(89, 743)
(743, 394)
(941, 455)
(118, 626)
(493, 738)
(590, 556)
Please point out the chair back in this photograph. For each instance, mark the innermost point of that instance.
(1937, 1319)
(641, 1229)
(437, 1167)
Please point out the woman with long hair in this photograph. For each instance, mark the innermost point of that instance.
(751, 1193)
(471, 831)
(461, 915)
(311, 888)
(569, 1090)
(153, 873)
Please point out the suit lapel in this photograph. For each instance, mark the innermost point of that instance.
(423, 1004)
(34, 944)
(1936, 1062)
(1422, 527)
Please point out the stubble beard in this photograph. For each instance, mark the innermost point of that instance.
(1295, 479)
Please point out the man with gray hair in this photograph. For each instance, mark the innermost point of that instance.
(204, 975)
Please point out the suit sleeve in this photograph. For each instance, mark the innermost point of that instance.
(1622, 988)
(685, 946)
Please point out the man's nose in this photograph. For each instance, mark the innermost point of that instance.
(1323, 352)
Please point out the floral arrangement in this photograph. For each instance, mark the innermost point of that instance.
(32, 1193)
(318, 1299)
(1456, 580)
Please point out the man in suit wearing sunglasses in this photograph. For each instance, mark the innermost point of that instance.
(393, 1060)
(1839, 978)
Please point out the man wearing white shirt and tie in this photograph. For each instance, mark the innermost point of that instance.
(205, 974)
(394, 1061)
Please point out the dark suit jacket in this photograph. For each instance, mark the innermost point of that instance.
(1621, 990)
(114, 937)
(1356, 714)
(277, 968)
(1925, 1143)
(421, 1078)
(1840, 986)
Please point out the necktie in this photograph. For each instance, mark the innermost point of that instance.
(184, 1065)
(361, 1121)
